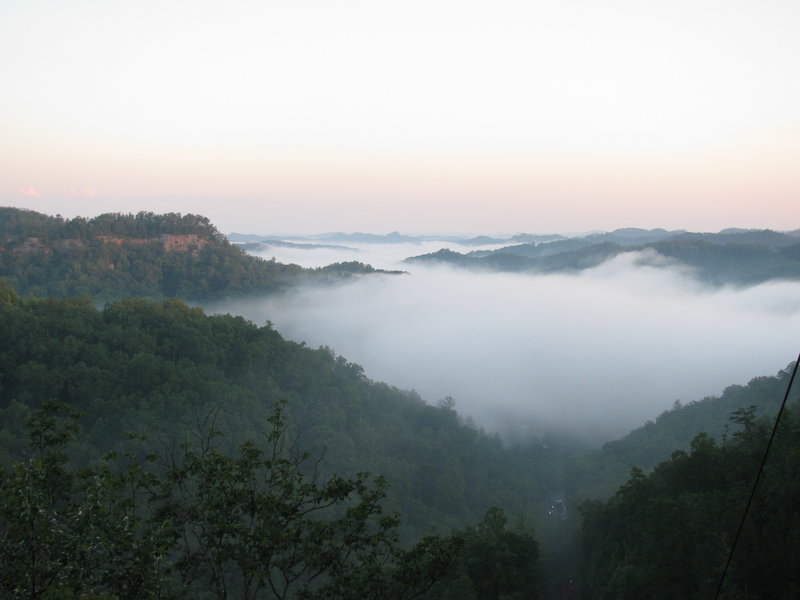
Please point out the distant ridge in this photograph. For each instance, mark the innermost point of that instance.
(739, 257)
(393, 238)
(256, 246)
(368, 238)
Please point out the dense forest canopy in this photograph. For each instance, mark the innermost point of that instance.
(148, 449)
(199, 522)
(114, 256)
(670, 533)
(158, 368)
(162, 369)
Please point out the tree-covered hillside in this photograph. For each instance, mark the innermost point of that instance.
(198, 389)
(670, 534)
(198, 522)
(156, 368)
(114, 256)
(164, 368)
(740, 258)
(597, 473)
(177, 376)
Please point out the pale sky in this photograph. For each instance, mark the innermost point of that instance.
(415, 115)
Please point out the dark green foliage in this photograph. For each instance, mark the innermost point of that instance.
(200, 524)
(353, 266)
(668, 534)
(597, 473)
(496, 562)
(158, 367)
(75, 533)
(114, 256)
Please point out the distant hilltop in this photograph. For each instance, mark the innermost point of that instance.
(625, 235)
(354, 238)
(389, 238)
(148, 255)
(734, 256)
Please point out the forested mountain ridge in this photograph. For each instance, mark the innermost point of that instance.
(114, 256)
(176, 376)
(597, 473)
(740, 257)
(163, 368)
(159, 368)
(675, 532)
(156, 368)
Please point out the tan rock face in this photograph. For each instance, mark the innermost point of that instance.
(188, 242)
(182, 243)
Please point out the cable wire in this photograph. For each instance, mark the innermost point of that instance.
(758, 478)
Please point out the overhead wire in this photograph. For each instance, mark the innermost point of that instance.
(756, 481)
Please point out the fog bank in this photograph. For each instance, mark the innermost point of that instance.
(596, 353)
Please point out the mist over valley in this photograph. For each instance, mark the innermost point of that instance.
(594, 353)
(379, 300)
(573, 350)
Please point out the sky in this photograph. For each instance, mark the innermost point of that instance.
(418, 116)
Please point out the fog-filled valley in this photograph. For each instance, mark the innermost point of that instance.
(594, 353)
(427, 300)
(367, 416)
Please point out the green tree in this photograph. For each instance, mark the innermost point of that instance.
(497, 563)
(68, 533)
(669, 534)
(202, 524)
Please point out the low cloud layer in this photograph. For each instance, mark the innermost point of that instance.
(596, 353)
